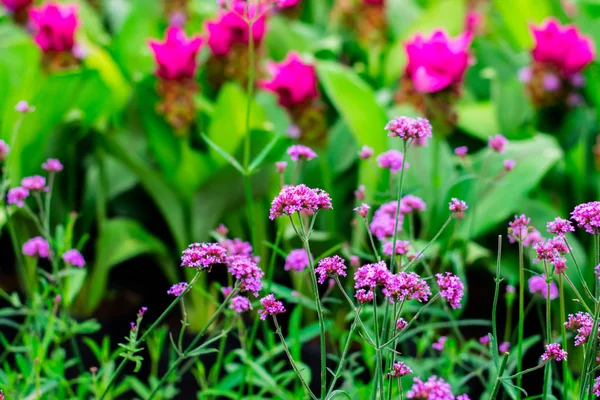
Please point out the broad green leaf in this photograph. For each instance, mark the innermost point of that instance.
(478, 119)
(518, 15)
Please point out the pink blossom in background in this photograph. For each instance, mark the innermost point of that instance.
(461, 151)
(560, 226)
(231, 28)
(176, 55)
(292, 80)
(485, 340)
(36, 247)
(402, 248)
(497, 143)
(362, 210)
(401, 324)
(359, 193)
(4, 150)
(280, 166)
(54, 26)
(203, 256)
(410, 203)
(457, 207)
(509, 165)
(24, 107)
(384, 220)
(177, 289)
(437, 62)
(439, 345)
(52, 165)
(287, 3)
(296, 260)
(374, 2)
(392, 160)
(537, 285)
(300, 152)
(473, 22)
(504, 347)
(34, 183)
(434, 388)
(562, 46)
(271, 307)
(16, 5)
(240, 304)
(17, 196)
(74, 258)
(596, 388)
(366, 152)
(407, 128)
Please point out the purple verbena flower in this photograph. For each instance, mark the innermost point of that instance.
(406, 286)
(371, 275)
(457, 207)
(17, 196)
(461, 151)
(240, 304)
(581, 323)
(248, 273)
(4, 150)
(53, 165)
(497, 143)
(509, 165)
(359, 193)
(271, 307)
(364, 296)
(587, 216)
(401, 324)
(451, 288)
(362, 210)
(281, 166)
(399, 369)
(537, 285)
(297, 260)
(293, 199)
(484, 340)
(392, 160)
(433, 389)
(384, 220)
(402, 248)
(36, 247)
(504, 347)
(34, 183)
(301, 152)
(554, 352)
(410, 203)
(177, 289)
(560, 226)
(74, 258)
(330, 267)
(366, 152)
(439, 345)
(407, 128)
(203, 256)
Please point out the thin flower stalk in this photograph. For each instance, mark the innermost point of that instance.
(521, 318)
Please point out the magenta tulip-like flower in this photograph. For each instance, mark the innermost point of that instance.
(74, 258)
(437, 62)
(36, 247)
(562, 46)
(231, 27)
(16, 5)
(176, 55)
(293, 81)
(54, 26)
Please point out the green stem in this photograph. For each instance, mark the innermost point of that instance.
(247, 150)
(378, 381)
(548, 330)
(496, 294)
(498, 383)
(338, 371)
(578, 269)
(521, 318)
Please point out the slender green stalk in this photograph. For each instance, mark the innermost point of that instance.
(521, 318)
(398, 201)
(294, 365)
(338, 371)
(565, 363)
(378, 381)
(372, 240)
(548, 330)
(498, 383)
(578, 269)
(247, 151)
(497, 279)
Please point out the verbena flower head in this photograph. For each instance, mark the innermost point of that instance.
(371, 275)
(407, 128)
(240, 304)
(451, 288)
(36, 247)
(74, 258)
(392, 160)
(410, 203)
(457, 207)
(519, 229)
(560, 264)
(177, 289)
(297, 260)
(237, 247)
(504, 347)
(363, 210)
(406, 286)
(581, 323)
(52, 165)
(176, 55)
(364, 296)
(497, 143)
(222, 230)
(399, 369)
(54, 26)
(281, 166)
(293, 81)
(4, 150)
(402, 248)
(437, 62)
(360, 193)
(485, 340)
(562, 46)
(34, 183)
(596, 388)
(330, 267)
(299, 152)
(24, 107)
(439, 345)
(231, 27)
(533, 237)
(271, 307)
(366, 152)
(537, 285)
(247, 273)
(559, 244)
(384, 220)
(433, 389)
(401, 324)
(16, 5)
(545, 251)
(17, 196)
(461, 151)
(203, 256)
(560, 226)
(554, 352)
(587, 216)
(509, 165)
(293, 199)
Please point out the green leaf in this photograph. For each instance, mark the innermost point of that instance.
(478, 119)
(518, 15)
(73, 283)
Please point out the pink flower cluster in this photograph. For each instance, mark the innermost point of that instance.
(331, 267)
(551, 252)
(362, 210)
(433, 389)
(519, 229)
(371, 275)
(384, 220)
(4, 150)
(237, 247)
(36, 247)
(497, 143)
(457, 207)
(399, 369)
(437, 62)
(402, 248)
(406, 286)
(74, 258)
(581, 323)
(392, 160)
(297, 260)
(240, 304)
(293, 199)
(410, 203)
(560, 226)
(293, 81)
(34, 183)
(300, 152)
(17, 196)
(52, 165)
(271, 307)
(203, 256)
(451, 288)
(176, 55)
(177, 289)
(248, 273)
(596, 388)
(439, 344)
(407, 128)
(537, 285)
(554, 352)
(587, 216)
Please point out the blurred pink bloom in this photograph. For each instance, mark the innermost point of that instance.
(410, 203)
(497, 143)
(384, 220)
(54, 26)
(17, 196)
(240, 304)
(52, 164)
(362, 210)
(437, 62)
(451, 288)
(366, 152)
(392, 160)
(297, 260)
(439, 345)
(457, 207)
(399, 370)
(461, 151)
(36, 247)
(292, 80)
(485, 340)
(359, 193)
(4, 149)
(231, 27)
(222, 230)
(281, 166)
(177, 289)
(24, 107)
(504, 347)
(434, 388)
(301, 152)
(402, 248)
(287, 3)
(473, 22)
(562, 46)
(509, 164)
(74, 258)
(176, 55)
(34, 183)
(537, 285)
(16, 5)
